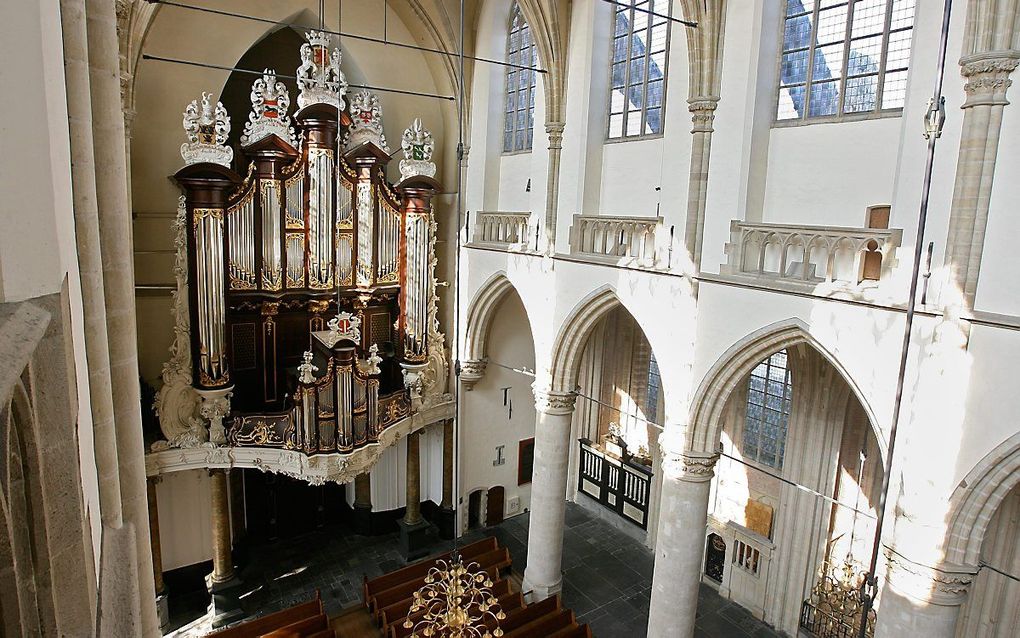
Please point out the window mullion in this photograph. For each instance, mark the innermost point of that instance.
(886, 36)
(844, 70)
(809, 74)
(644, 83)
(626, 70)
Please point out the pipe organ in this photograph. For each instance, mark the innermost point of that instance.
(312, 262)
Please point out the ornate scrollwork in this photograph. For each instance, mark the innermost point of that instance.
(319, 77)
(269, 104)
(207, 128)
(418, 146)
(367, 121)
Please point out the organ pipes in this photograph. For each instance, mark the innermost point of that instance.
(241, 226)
(271, 240)
(208, 234)
(320, 218)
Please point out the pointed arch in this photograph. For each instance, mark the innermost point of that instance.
(732, 367)
(481, 312)
(977, 498)
(572, 337)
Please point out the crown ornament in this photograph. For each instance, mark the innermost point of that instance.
(269, 104)
(344, 326)
(319, 77)
(207, 128)
(366, 125)
(417, 145)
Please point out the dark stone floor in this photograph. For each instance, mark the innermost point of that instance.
(607, 577)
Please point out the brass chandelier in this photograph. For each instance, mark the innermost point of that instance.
(457, 602)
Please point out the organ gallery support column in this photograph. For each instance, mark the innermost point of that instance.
(223, 582)
(683, 515)
(363, 503)
(414, 530)
(447, 509)
(162, 604)
(554, 411)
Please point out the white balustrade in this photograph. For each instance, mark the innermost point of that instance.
(501, 229)
(619, 240)
(805, 256)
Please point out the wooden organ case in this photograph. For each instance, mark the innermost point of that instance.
(311, 263)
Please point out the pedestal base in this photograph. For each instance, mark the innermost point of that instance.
(362, 520)
(163, 610)
(446, 520)
(415, 539)
(225, 606)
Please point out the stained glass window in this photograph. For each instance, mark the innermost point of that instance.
(842, 57)
(637, 84)
(768, 411)
(519, 107)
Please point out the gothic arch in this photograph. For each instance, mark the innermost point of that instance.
(573, 335)
(976, 499)
(481, 312)
(708, 405)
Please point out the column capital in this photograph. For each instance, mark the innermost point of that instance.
(692, 467)
(988, 77)
(553, 402)
(702, 110)
(555, 132)
(945, 584)
(472, 371)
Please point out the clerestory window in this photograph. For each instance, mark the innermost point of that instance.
(844, 57)
(769, 394)
(638, 81)
(519, 102)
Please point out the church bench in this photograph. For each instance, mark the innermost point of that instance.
(507, 602)
(492, 562)
(301, 628)
(532, 612)
(269, 622)
(419, 569)
(544, 626)
(583, 631)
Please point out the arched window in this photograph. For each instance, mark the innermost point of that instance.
(519, 106)
(841, 58)
(768, 411)
(638, 80)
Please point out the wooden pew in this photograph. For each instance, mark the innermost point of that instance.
(544, 626)
(300, 629)
(420, 569)
(492, 562)
(270, 622)
(532, 612)
(584, 631)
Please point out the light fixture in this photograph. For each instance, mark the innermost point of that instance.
(457, 602)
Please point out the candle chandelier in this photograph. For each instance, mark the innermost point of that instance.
(457, 603)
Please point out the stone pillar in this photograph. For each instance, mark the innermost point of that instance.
(702, 116)
(987, 80)
(680, 542)
(552, 194)
(414, 530)
(554, 412)
(162, 603)
(447, 509)
(920, 601)
(412, 515)
(363, 503)
(223, 582)
(118, 277)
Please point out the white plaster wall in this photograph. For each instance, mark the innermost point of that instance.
(185, 518)
(486, 422)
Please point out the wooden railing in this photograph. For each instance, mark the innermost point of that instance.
(805, 256)
(619, 240)
(616, 484)
(501, 229)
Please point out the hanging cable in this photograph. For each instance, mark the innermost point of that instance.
(456, 293)
(934, 119)
(630, 5)
(219, 67)
(353, 36)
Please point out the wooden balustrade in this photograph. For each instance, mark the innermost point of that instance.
(805, 256)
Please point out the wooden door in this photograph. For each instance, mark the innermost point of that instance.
(494, 506)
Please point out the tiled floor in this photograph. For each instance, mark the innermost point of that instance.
(607, 576)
